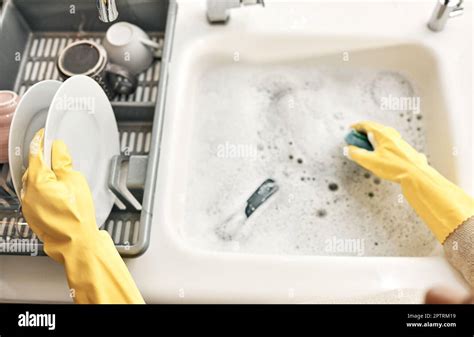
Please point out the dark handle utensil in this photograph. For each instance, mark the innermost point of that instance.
(263, 192)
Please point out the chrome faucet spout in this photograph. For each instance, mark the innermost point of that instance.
(218, 10)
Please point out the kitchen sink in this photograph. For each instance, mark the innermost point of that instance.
(271, 94)
(269, 113)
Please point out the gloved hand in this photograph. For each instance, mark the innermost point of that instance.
(441, 204)
(58, 206)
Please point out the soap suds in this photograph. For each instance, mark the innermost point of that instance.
(296, 118)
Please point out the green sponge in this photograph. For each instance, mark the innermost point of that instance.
(358, 139)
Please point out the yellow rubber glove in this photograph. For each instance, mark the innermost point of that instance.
(58, 206)
(441, 204)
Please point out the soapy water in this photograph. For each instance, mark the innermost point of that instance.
(288, 123)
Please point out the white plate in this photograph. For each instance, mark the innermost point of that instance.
(29, 117)
(82, 116)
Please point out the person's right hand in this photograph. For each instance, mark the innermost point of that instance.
(440, 203)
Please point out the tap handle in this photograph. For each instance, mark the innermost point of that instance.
(458, 10)
(107, 10)
(443, 11)
(252, 2)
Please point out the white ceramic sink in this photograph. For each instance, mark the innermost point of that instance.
(217, 71)
(283, 114)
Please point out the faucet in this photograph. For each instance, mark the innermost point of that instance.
(218, 10)
(444, 10)
(107, 10)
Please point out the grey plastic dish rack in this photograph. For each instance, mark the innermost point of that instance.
(32, 33)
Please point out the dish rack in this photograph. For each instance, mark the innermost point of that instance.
(139, 115)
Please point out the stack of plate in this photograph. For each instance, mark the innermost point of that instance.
(79, 113)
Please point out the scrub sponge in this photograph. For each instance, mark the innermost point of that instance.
(358, 139)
